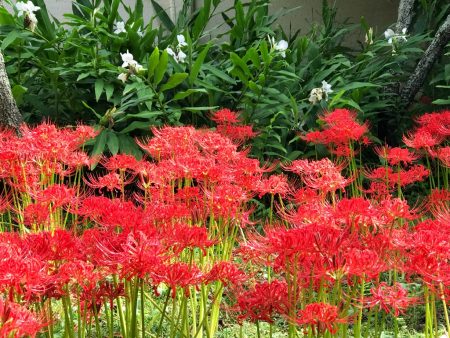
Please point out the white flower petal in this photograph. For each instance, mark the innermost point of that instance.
(181, 40)
(181, 56)
(119, 27)
(389, 33)
(123, 77)
(282, 45)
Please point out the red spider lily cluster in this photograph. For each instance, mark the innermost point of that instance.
(175, 233)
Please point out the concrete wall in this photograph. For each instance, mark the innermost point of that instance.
(380, 13)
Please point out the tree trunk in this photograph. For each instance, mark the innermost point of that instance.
(433, 52)
(9, 113)
(405, 15)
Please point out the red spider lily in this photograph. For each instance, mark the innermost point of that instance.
(438, 198)
(56, 196)
(321, 317)
(340, 129)
(422, 139)
(263, 302)
(392, 209)
(36, 215)
(227, 199)
(77, 159)
(18, 321)
(236, 133)
(322, 175)
(225, 116)
(274, 184)
(416, 173)
(435, 123)
(120, 162)
(181, 236)
(396, 156)
(227, 273)
(169, 142)
(443, 155)
(390, 298)
(110, 181)
(364, 263)
(356, 213)
(178, 275)
(429, 254)
(139, 255)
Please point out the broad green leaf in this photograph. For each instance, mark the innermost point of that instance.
(6, 18)
(219, 73)
(83, 76)
(113, 12)
(198, 63)
(9, 39)
(100, 142)
(252, 55)
(99, 85)
(146, 114)
(127, 145)
(153, 62)
(355, 85)
(200, 108)
(112, 142)
(18, 92)
(161, 68)
(135, 125)
(163, 16)
(109, 90)
(174, 81)
(182, 95)
(238, 62)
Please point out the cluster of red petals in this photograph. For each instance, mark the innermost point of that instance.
(321, 316)
(340, 128)
(230, 125)
(390, 298)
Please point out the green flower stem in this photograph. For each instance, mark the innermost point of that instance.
(444, 303)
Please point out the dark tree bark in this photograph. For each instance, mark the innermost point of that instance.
(9, 113)
(405, 15)
(433, 52)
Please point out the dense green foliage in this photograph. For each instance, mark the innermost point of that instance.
(67, 71)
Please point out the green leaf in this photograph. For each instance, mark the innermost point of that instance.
(336, 98)
(6, 18)
(182, 95)
(252, 55)
(127, 145)
(238, 62)
(198, 63)
(100, 142)
(200, 108)
(113, 142)
(145, 114)
(9, 39)
(109, 90)
(355, 85)
(18, 92)
(220, 74)
(163, 16)
(153, 62)
(441, 101)
(99, 85)
(135, 125)
(113, 12)
(161, 68)
(45, 25)
(83, 76)
(174, 81)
